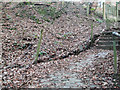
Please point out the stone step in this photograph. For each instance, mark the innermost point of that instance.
(109, 39)
(108, 33)
(107, 43)
(115, 30)
(107, 47)
(117, 45)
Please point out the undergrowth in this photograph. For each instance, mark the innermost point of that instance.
(47, 13)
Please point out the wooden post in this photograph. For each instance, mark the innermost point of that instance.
(88, 9)
(62, 3)
(117, 17)
(104, 14)
(115, 55)
(57, 7)
(116, 11)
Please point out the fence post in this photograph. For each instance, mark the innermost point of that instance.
(104, 14)
(117, 14)
(57, 7)
(115, 55)
(116, 11)
(88, 7)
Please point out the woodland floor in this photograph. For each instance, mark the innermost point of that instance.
(91, 68)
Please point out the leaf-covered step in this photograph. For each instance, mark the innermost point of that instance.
(109, 39)
(107, 47)
(107, 42)
(106, 35)
(109, 32)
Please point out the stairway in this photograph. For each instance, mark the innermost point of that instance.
(105, 41)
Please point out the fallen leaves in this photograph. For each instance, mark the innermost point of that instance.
(66, 34)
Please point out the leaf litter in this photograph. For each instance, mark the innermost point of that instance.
(68, 32)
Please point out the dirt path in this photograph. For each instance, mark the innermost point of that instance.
(85, 70)
(88, 69)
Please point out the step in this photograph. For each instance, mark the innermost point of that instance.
(113, 30)
(108, 39)
(106, 43)
(106, 35)
(106, 47)
(109, 32)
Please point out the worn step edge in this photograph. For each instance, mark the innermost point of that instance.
(106, 43)
(107, 47)
(106, 35)
(107, 39)
(110, 31)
